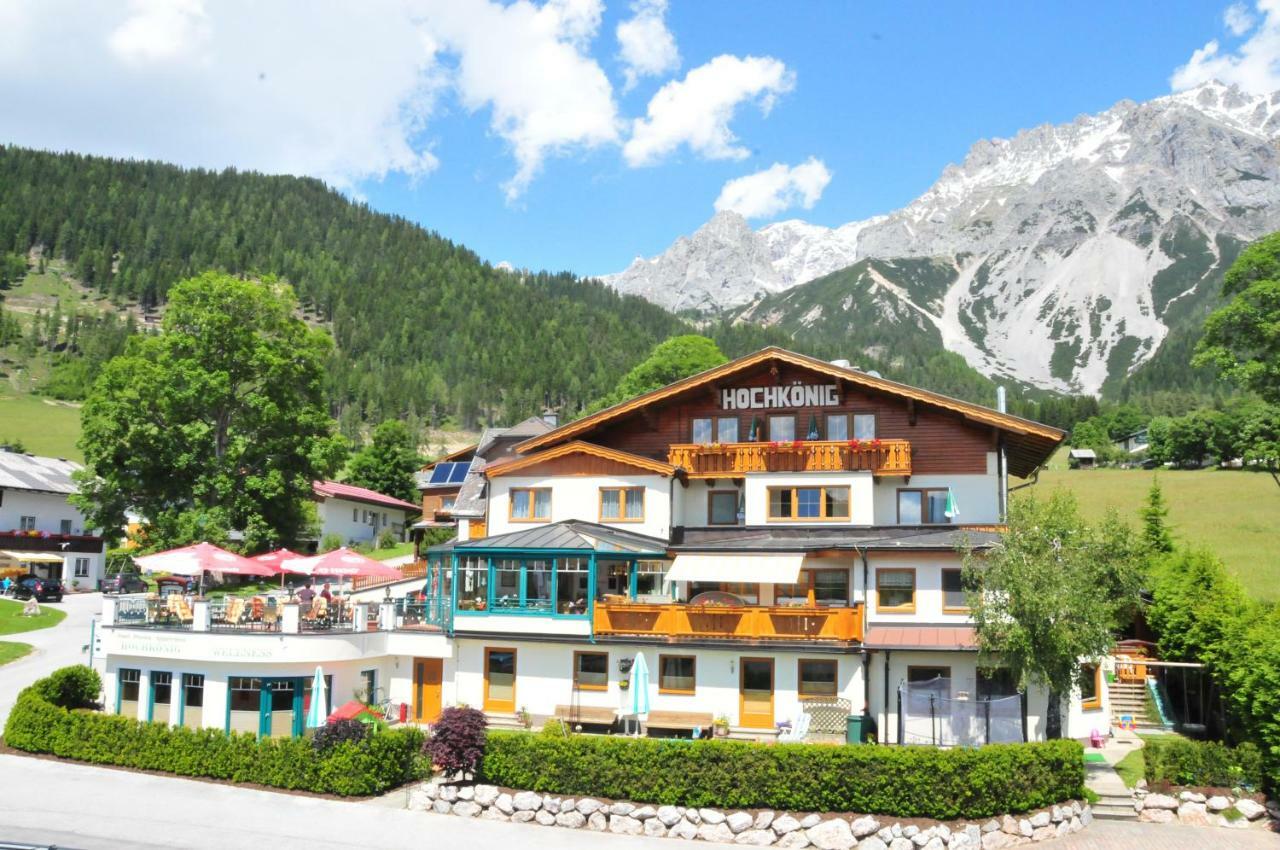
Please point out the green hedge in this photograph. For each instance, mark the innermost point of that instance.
(386, 760)
(1179, 761)
(899, 781)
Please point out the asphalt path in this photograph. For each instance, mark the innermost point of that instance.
(55, 647)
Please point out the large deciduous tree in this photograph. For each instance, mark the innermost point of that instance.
(671, 360)
(388, 462)
(217, 423)
(1052, 592)
(1240, 338)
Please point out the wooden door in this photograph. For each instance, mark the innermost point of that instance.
(428, 678)
(755, 693)
(500, 680)
(477, 529)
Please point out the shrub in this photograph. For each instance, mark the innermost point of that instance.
(372, 766)
(1179, 761)
(338, 732)
(899, 781)
(556, 728)
(457, 740)
(77, 686)
(387, 540)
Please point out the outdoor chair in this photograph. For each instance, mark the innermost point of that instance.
(270, 615)
(256, 613)
(798, 731)
(234, 611)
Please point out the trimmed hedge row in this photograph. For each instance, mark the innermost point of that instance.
(898, 781)
(1179, 761)
(386, 760)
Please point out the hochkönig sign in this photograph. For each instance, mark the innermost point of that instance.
(795, 395)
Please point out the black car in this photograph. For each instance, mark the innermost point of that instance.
(43, 589)
(125, 583)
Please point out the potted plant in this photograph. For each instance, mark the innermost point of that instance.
(720, 727)
(525, 718)
(623, 684)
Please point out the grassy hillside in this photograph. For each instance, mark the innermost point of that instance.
(43, 426)
(1229, 512)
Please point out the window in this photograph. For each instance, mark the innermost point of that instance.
(702, 431)
(649, 577)
(245, 700)
(782, 429)
(161, 696)
(1090, 687)
(953, 601)
(537, 585)
(447, 502)
(676, 674)
(572, 580)
(922, 507)
(996, 683)
(473, 587)
(384, 520)
(506, 583)
(591, 670)
(82, 568)
(127, 692)
(64, 526)
(829, 587)
(530, 504)
(722, 507)
(369, 685)
(613, 578)
(355, 514)
(808, 503)
(622, 504)
(838, 426)
(193, 700)
(27, 523)
(727, 429)
(926, 679)
(816, 678)
(864, 426)
(896, 591)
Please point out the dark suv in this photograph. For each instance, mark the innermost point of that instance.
(43, 589)
(124, 583)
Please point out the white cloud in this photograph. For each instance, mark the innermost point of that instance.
(647, 48)
(779, 187)
(696, 111)
(1238, 19)
(530, 65)
(1254, 65)
(160, 30)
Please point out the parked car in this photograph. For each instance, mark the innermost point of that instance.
(43, 589)
(124, 583)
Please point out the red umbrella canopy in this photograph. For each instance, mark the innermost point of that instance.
(201, 557)
(340, 562)
(276, 558)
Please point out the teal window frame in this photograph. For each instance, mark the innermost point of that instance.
(151, 694)
(120, 684)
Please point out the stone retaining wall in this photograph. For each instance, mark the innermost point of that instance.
(1195, 809)
(762, 829)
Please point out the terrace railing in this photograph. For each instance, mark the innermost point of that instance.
(718, 460)
(753, 622)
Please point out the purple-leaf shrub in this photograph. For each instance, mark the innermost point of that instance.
(456, 744)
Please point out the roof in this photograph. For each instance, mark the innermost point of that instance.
(572, 534)
(1029, 443)
(955, 638)
(20, 471)
(513, 465)
(1083, 453)
(471, 499)
(534, 426)
(810, 539)
(338, 490)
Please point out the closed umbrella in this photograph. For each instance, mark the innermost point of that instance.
(952, 510)
(316, 713)
(638, 696)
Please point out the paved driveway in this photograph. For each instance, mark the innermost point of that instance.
(1125, 835)
(56, 647)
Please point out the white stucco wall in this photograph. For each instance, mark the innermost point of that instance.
(335, 518)
(860, 484)
(928, 568)
(977, 496)
(50, 510)
(578, 497)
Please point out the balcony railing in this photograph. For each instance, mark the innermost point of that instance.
(718, 460)
(715, 621)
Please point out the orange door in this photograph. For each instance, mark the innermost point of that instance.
(428, 676)
(755, 701)
(500, 680)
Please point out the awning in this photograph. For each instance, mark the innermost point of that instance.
(752, 569)
(33, 557)
(922, 637)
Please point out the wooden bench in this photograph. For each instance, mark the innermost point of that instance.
(591, 715)
(686, 720)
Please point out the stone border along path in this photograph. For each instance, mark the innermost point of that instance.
(764, 829)
(1194, 809)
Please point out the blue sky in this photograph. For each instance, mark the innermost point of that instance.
(448, 113)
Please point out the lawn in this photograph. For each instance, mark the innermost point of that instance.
(1227, 511)
(12, 650)
(44, 426)
(1132, 768)
(395, 551)
(12, 622)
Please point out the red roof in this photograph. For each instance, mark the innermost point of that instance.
(337, 490)
(921, 637)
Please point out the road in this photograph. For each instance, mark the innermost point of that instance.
(53, 648)
(92, 808)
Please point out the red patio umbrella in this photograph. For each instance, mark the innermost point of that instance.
(340, 563)
(200, 558)
(275, 559)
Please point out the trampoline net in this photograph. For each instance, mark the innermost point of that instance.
(931, 713)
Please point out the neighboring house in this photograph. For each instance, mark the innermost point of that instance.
(40, 531)
(776, 535)
(1138, 441)
(1082, 459)
(359, 515)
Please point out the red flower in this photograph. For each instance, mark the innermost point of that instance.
(855, 444)
(875, 444)
(773, 444)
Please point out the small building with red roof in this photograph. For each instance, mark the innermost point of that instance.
(358, 514)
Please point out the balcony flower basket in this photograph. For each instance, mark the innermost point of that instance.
(623, 684)
(855, 444)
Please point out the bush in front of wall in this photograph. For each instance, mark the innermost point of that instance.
(457, 741)
(338, 732)
(1179, 761)
(348, 768)
(77, 686)
(899, 781)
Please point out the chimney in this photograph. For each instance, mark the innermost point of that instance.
(550, 417)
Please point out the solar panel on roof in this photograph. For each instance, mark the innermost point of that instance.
(459, 472)
(440, 475)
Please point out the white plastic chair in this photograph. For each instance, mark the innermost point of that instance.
(798, 731)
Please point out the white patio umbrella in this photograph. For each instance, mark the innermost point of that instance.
(316, 716)
(638, 694)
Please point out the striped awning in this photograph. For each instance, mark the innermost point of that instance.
(32, 557)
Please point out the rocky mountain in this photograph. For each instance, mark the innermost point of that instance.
(1061, 257)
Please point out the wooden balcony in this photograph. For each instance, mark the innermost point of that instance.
(747, 623)
(724, 460)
